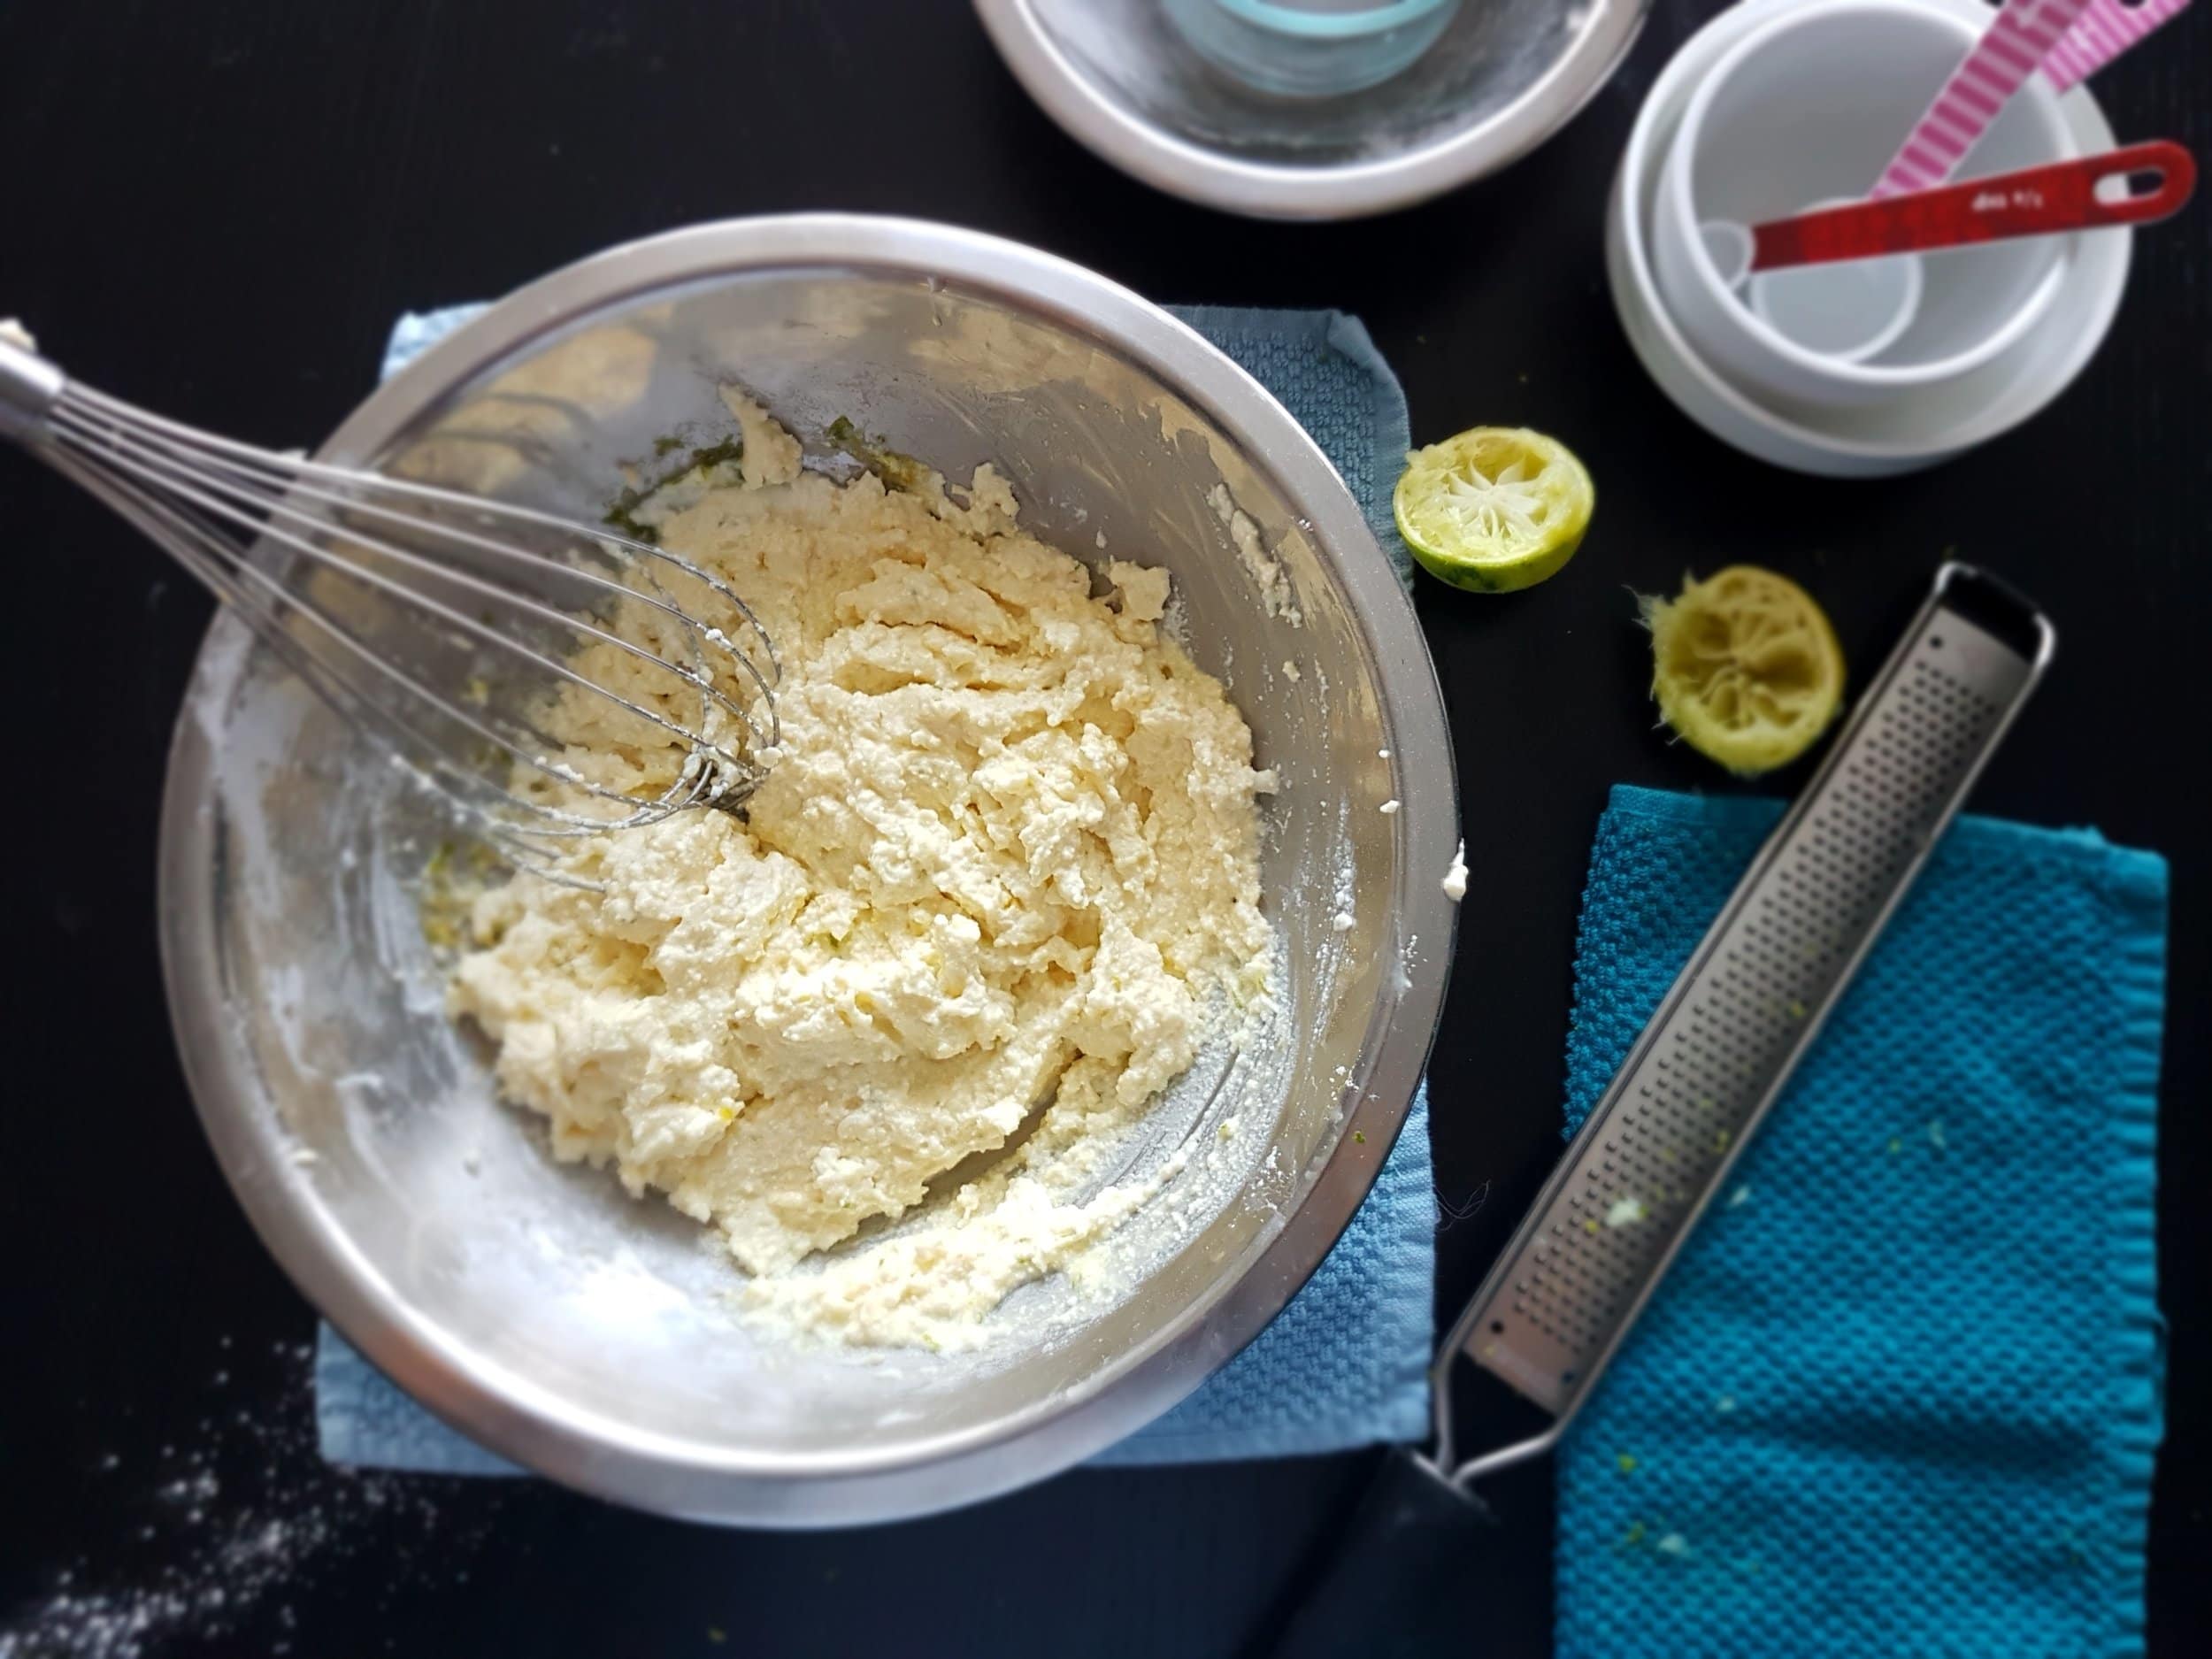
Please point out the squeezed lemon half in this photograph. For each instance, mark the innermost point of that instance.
(1494, 509)
(1745, 666)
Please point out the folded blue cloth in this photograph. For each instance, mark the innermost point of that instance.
(1346, 1363)
(1901, 1393)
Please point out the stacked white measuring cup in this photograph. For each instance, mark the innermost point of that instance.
(1875, 366)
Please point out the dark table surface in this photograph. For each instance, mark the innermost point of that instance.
(216, 209)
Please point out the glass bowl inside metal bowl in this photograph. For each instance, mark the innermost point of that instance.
(1135, 82)
(594, 1338)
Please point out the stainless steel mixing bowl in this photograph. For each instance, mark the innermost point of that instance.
(1503, 77)
(592, 1337)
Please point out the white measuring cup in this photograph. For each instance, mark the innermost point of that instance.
(1847, 312)
(1808, 109)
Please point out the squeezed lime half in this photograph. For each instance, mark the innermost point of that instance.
(1494, 509)
(1745, 666)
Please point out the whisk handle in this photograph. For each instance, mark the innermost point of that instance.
(29, 386)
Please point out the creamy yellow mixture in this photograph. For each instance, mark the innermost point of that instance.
(1006, 856)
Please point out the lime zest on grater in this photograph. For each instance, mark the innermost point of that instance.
(1660, 1142)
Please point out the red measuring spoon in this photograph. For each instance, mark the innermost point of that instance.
(2034, 202)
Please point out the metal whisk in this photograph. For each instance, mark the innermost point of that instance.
(504, 653)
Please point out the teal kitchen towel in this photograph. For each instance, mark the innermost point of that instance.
(1346, 1363)
(1901, 1393)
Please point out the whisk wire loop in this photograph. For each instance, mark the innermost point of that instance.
(500, 651)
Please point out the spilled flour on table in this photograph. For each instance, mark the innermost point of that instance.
(243, 1517)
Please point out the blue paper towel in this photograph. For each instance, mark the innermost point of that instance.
(1346, 1363)
(1900, 1392)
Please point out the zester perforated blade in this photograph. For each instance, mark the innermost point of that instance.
(1660, 1143)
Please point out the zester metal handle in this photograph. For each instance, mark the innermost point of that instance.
(1662, 1139)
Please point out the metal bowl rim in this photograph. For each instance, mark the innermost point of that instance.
(1262, 190)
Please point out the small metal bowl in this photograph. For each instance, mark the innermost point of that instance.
(591, 1337)
(1503, 77)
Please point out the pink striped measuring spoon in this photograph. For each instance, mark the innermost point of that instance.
(2009, 50)
(2104, 30)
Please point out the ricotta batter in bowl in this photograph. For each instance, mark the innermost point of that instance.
(1006, 859)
